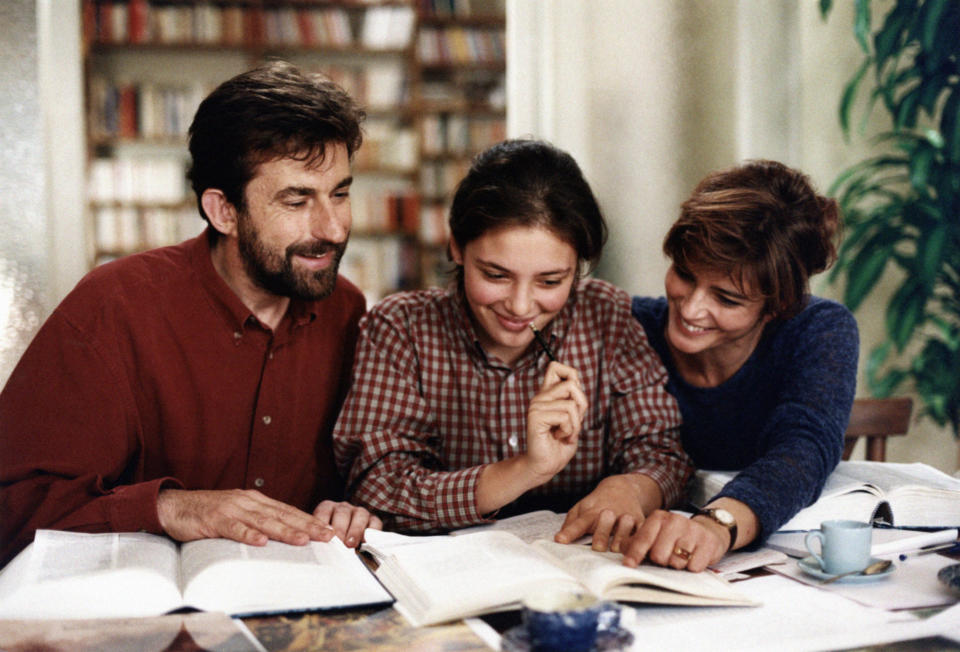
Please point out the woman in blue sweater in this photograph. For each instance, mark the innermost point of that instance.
(764, 373)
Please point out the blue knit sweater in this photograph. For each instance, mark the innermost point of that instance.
(780, 418)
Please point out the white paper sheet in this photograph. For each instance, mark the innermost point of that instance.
(793, 617)
(913, 585)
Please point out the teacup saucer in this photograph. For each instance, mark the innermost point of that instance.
(811, 566)
(516, 639)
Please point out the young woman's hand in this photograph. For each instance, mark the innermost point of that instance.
(554, 420)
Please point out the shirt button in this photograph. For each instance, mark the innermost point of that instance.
(258, 482)
(237, 336)
(267, 419)
(270, 356)
(512, 441)
(510, 380)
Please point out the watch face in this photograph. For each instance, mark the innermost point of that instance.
(723, 517)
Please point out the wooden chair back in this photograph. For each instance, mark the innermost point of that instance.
(876, 419)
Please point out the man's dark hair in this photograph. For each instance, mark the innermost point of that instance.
(274, 111)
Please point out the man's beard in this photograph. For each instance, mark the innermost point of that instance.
(276, 274)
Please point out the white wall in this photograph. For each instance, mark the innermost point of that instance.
(650, 95)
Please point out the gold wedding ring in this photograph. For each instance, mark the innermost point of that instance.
(681, 553)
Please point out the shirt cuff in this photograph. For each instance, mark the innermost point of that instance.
(134, 508)
(671, 489)
(456, 498)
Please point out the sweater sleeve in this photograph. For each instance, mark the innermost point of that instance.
(68, 440)
(802, 440)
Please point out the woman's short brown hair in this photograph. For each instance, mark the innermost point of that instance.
(762, 223)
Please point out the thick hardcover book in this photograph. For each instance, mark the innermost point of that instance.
(74, 575)
(442, 578)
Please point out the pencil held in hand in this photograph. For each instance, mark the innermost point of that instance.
(543, 342)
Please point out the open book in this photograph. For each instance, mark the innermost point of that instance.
(74, 575)
(904, 495)
(441, 578)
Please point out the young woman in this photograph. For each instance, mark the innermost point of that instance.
(457, 413)
(764, 374)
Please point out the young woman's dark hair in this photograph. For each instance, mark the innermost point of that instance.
(526, 182)
(762, 223)
(274, 111)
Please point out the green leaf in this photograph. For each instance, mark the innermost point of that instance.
(878, 356)
(932, 12)
(920, 167)
(888, 39)
(930, 252)
(950, 125)
(905, 110)
(861, 24)
(850, 94)
(825, 6)
(905, 312)
(863, 272)
(883, 386)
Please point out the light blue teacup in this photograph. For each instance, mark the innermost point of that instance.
(844, 546)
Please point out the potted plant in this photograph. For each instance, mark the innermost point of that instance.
(902, 205)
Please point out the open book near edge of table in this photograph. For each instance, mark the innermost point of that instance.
(903, 495)
(442, 578)
(75, 575)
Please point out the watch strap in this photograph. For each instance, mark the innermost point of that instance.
(710, 512)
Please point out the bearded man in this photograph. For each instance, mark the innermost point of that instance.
(192, 390)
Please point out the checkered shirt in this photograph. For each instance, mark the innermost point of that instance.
(428, 409)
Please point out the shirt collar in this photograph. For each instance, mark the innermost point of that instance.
(227, 303)
(555, 332)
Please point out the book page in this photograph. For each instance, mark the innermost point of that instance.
(529, 527)
(604, 574)
(889, 475)
(78, 575)
(222, 575)
(453, 577)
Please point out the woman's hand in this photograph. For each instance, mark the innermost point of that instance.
(554, 419)
(612, 511)
(674, 540)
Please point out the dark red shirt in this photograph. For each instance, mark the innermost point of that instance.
(152, 373)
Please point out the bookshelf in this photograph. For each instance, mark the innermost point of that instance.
(430, 74)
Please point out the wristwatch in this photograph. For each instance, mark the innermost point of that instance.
(724, 518)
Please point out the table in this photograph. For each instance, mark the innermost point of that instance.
(381, 629)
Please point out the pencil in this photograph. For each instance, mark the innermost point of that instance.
(926, 551)
(543, 342)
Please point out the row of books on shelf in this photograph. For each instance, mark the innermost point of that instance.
(377, 86)
(381, 27)
(123, 229)
(453, 133)
(385, 211)
(147, 110)
(439, 178)
(380, 266)
(154, 179)
(461, 45)
(466, 89)
(461, 8)
(141, 110)
(387, 148)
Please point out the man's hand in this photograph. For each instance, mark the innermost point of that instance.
(612, 512)
(243, 515)
(348, 521)
(674, 540)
